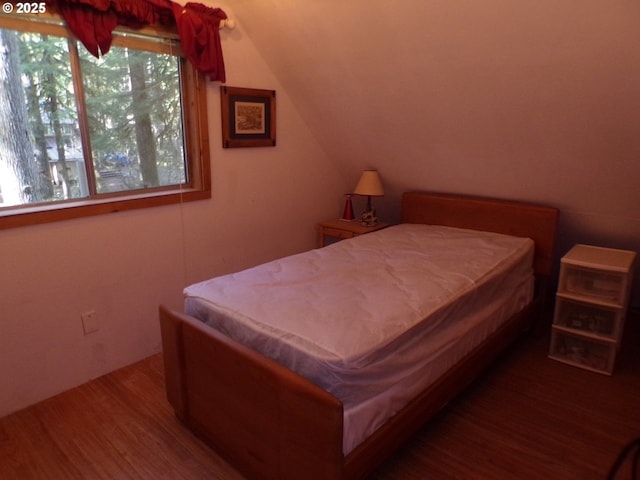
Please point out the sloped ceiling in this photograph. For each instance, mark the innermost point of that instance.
(500, 97)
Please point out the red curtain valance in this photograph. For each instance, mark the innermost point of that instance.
(93, 22)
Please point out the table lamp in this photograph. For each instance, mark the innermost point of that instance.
(371, 186)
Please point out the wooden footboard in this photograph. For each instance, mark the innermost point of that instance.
(269, 422)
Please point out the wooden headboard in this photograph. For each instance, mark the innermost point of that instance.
(479, 213)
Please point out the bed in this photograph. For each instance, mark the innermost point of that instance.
(317, 419)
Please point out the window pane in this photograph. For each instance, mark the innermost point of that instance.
(41, 157)
(48, 139)
(135, 121)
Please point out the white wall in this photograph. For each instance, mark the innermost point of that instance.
(531, 99)
(265, 204)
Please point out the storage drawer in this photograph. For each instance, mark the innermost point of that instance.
(588, 353)
(606, 285)
(587, 317)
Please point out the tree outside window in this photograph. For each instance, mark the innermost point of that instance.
(75, 127)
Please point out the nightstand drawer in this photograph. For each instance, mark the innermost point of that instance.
(334, 232)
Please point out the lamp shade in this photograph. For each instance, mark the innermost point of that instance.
(369, 184)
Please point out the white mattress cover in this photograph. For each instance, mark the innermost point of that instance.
(374, 319)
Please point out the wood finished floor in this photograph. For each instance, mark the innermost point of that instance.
(527, 418)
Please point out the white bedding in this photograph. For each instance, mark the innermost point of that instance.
(374, 319)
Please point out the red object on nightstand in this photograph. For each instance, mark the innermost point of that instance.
(348, 209)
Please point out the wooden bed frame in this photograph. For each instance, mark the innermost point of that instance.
(271, 423)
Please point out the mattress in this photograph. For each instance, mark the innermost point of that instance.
(374, 319)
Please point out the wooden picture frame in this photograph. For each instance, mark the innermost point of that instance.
(248, 117)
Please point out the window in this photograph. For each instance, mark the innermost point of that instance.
(84, 136)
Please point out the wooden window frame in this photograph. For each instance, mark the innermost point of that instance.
(195, 131)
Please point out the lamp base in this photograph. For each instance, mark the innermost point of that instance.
(369, 218)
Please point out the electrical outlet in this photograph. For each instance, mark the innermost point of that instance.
(90, 322)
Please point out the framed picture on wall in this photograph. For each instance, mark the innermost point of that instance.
(248, 117)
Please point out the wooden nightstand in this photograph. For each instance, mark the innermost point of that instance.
(341, 229)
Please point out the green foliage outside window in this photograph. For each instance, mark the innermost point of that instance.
(73, 126)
